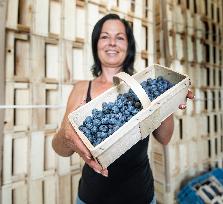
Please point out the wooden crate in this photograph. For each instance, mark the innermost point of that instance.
(144, 122)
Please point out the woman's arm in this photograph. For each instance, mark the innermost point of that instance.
(66, 141)
(164, 132)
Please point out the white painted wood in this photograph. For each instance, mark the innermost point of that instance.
(80, 25)
(75, 181)
(6, 192)
(50, 190)
(37, 155)
(22, 58)
(41, 17)
(52, 61)
(7, 159)
(168, 103)
(63, 165)
(55, 17)
(9, 60)
(22, 116)
(20, 156)
(25, 12)
(49, 154)
(12, 14)
(52, 98)
(79, 71)
(36, 192)
(70, 19)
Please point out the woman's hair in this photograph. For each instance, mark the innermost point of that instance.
(131, 50)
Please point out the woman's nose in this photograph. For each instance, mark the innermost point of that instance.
(112, 41)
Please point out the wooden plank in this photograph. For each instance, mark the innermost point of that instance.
(37, 58)
(3, 8)
(65, 189)
(41, 17)
(80, 26)
(12, 14)
(52, 98)
(25, 12)
(19, 195)
(20, 156)
(49, 154)
(7, 159)
(52, 61)
(50, 193)
(36, 192)
(79, 72)
(75, 182)
(21, 116)
(6, 194)
(69, 14)
(55, 17)
(67, 61)
(38, 114)
(22, 59)
(37, 155)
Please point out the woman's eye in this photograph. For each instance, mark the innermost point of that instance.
(120, 38)
(104, 37)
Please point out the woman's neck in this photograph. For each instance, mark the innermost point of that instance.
(108, 73)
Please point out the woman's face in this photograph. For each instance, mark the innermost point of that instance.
(112, 44)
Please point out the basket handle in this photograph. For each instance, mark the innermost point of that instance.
(135, 86)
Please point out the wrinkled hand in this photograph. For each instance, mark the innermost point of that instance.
(76, 144)
(190, 95)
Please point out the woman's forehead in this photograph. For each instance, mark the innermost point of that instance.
(113, 26)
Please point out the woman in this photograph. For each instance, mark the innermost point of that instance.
(129, 179)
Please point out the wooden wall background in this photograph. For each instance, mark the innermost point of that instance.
(47, 48)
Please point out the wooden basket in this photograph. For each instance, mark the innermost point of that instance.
(144, 122)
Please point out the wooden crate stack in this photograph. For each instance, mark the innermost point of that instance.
(47, 49)
(190, 41)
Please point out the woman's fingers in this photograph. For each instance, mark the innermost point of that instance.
(83, 151)
(190, 95)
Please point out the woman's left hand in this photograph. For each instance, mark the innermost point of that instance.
(190, 95)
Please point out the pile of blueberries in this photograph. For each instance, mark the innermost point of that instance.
(113, 115)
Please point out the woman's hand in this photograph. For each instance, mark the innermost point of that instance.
(190, 95)
(67, 141)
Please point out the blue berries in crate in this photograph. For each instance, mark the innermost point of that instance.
(113, 115)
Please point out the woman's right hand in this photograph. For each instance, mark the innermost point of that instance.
(67, 141)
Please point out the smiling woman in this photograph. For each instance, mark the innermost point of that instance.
(112, 44)
(129, 179)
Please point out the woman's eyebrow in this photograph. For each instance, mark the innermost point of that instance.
(116, 33)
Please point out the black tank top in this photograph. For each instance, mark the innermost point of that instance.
(130, 179)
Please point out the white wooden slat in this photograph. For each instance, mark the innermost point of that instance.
(25, 12)
(50, 195)
(55, 17)
(80, 25)
(22, 116)
(7, 159)
(79, 72)
(20, 156)
(50, 156)
(63, 165)
(52, 61)
(37, 58)
(75, 181)
(65, 189)
(6, 193)
(41, 17)
(140, 34)
(20, 195)
(22, 59)
(36, 192)
(12, 14)
(69, 13)
(37, 155)
(9, 61)
(52, 98)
